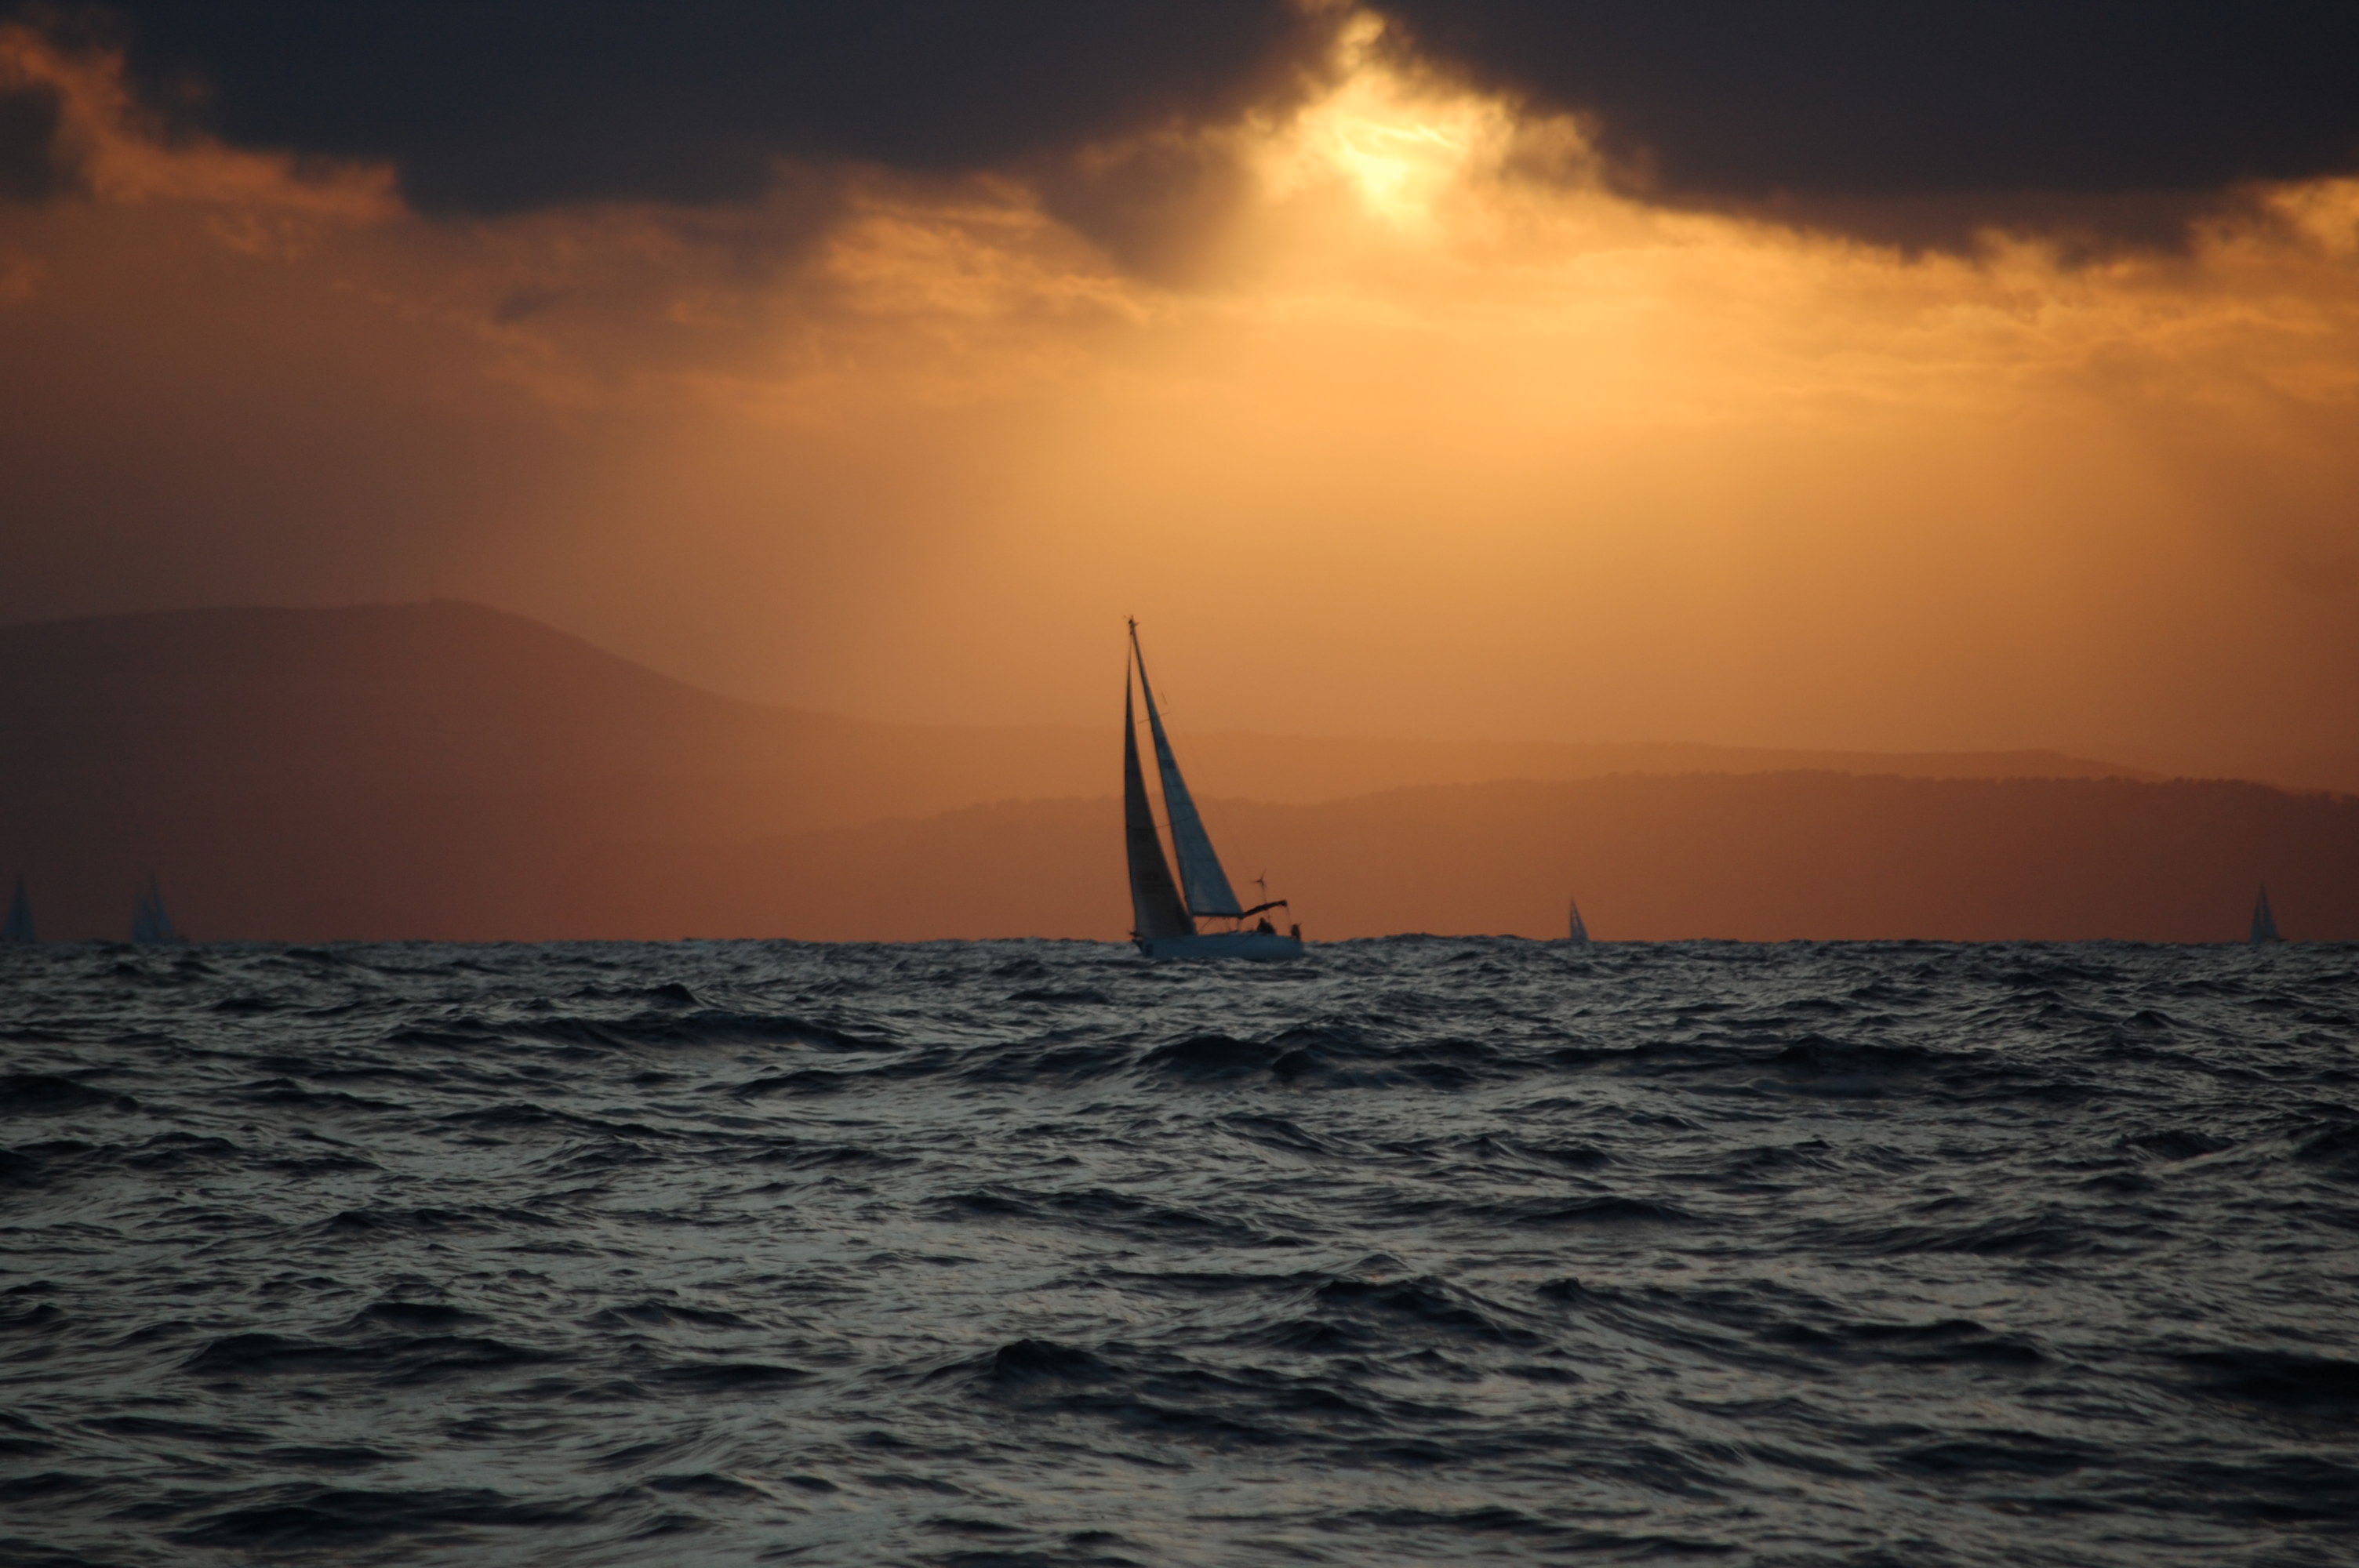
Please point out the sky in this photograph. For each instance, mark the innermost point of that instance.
(1823, 374)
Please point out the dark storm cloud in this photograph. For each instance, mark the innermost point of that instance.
(499, 107)
(1848, 100)
(1913, 121)
(30, 168)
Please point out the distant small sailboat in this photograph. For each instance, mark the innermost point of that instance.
(1163, 922)
(19, 927)
(149, 923)
(2265, 923)
(1577, 932)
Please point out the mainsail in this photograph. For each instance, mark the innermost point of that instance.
(1577, 931)
(1200, 869)
(1155, 906)
(2265, 923)
(149, 920)
(19, 927)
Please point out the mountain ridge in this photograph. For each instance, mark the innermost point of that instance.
(446, 769)
(155, 667)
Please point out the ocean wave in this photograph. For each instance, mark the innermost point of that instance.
(1426, 1248)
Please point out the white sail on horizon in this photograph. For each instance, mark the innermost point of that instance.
(148, 921)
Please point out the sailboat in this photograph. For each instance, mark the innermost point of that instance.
(2265, 923)
(1163, 917)
(149, 923)
(19, 926)
(1577, 932)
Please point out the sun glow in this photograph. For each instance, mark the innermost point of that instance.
(1501, 449)
(1399, 144)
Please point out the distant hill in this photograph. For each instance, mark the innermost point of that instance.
(2335, 772)
(444, 769)
(1296, 769)
(1759, 856)
(1755, 857)
(436, 702)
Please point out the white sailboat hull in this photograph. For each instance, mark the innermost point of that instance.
(1222, 945)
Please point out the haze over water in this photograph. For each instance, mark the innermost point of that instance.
(1422, 1250)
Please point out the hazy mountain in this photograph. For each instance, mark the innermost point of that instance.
(1758, 856)
(446, 770)
(2335, 772)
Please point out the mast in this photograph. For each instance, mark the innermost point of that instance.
(19, 927)
(1155, 906)
(1199, 868)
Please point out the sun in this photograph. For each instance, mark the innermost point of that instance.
(1398, 145)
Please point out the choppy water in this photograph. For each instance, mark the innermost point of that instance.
(1422, 1250)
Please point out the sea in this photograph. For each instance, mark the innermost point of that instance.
(993, 1254)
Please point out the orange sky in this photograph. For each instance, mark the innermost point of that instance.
(1396, 421)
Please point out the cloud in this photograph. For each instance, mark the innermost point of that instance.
(2113, 120)
(1387, 434)
(30, 170)
(535, 102)
(1931, 117)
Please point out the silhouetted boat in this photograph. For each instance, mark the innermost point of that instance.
(2265, 923)
(1163, 921)
(149, 923)
(1577, 929)
(19, 927)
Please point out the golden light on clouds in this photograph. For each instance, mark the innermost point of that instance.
(1432, 432)
(1400, 146)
